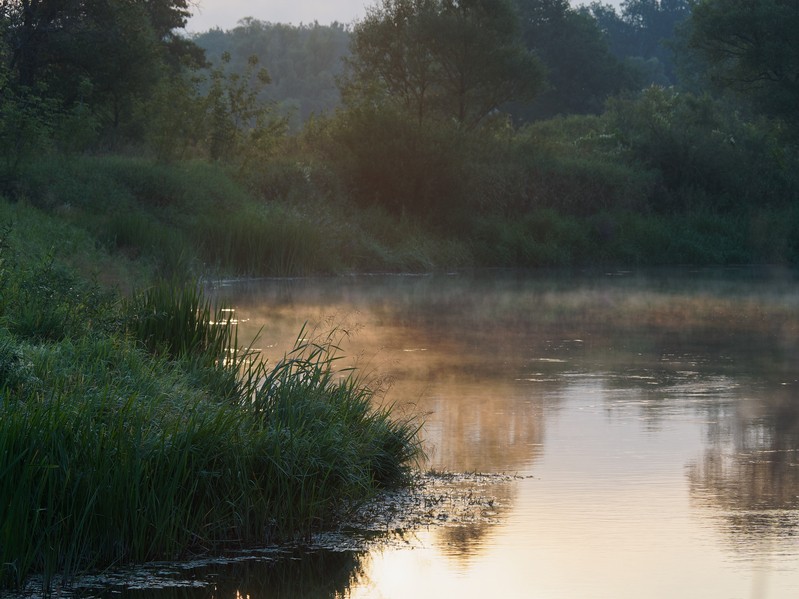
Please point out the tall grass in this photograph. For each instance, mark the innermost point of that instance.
(149, 442)
(270, 241)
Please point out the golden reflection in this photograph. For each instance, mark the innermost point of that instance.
(489, 359)
(484, 356)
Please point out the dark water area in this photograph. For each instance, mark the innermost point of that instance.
(624, 434)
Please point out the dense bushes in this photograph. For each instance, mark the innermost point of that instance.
(704, 152)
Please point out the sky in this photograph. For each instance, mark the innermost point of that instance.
(227, 13)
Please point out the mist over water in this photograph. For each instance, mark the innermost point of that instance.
(635, 434)
(653, 419)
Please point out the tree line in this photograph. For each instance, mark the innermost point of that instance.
(444, 110)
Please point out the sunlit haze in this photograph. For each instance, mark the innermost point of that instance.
(225, 14)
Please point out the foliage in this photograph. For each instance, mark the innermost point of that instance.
(581, 71)
(240, 126)
(303, 61)
(426, 177)
(26, 129)
(175, 119)
(457, 60)
(104, 55)
(704, 152)
(751, 47)
(644, 33)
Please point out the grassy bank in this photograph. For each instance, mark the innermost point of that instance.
(132, 426)
(537, 204)
(133, 429)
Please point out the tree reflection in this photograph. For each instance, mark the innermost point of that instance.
(749, 473)
(467, 538)
(315, 575)
(487, 357)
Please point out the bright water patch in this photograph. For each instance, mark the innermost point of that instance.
(639, 434)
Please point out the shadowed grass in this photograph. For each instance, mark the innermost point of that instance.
(270, 241)
(163, 440)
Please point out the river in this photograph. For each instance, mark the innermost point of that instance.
(599, 435)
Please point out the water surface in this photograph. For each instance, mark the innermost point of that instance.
(646, 426)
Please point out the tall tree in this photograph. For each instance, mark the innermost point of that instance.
(461, 59)
(644, 31)
(483, 63)
(582, 72)
(107, 52)
(751, 47)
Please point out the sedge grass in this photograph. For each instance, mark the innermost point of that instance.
(113, 451)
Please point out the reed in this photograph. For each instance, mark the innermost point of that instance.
(272, 241)
(120, 453)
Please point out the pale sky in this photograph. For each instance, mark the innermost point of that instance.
(227, 13)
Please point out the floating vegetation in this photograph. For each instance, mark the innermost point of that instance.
(436, 499)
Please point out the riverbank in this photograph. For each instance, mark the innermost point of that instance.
(133, 427)
(291, 218)
(105, 423)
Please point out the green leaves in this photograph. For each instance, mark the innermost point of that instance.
(240, 125)
(446, 60)
(751, 46)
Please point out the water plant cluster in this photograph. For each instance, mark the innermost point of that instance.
(136, 428)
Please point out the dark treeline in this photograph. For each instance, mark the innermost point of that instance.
(513, 132)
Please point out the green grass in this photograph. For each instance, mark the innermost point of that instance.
(136, 430)
(117, 459)
(270, 241)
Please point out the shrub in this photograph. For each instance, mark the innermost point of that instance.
(703, 150)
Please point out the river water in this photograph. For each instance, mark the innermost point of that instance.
(617, 435)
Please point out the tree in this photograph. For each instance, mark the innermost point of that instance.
(644, 32)
(752, 48)
(581, 71)
(240, 125)
(483, 63)
(108, 54)
(456, 59)
(303, 61)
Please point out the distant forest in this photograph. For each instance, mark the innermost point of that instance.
(430, 133)
(590, 53)
(303, 62)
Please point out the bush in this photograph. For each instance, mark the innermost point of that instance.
(706, 155)
(388, 159)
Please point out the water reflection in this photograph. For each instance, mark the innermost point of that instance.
(748, 475)
(501, 346)
(321, 574)
(657, 413)
(647, 426)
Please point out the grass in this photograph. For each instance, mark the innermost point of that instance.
(561, 193)
(140, 431)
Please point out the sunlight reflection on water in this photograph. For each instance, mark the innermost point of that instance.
(657, 416)
(652, 420)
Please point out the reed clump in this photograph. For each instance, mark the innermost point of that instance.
(145, 433)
